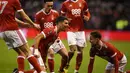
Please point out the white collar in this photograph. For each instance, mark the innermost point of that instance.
(43, 10)
(74, 1)
(101, 44)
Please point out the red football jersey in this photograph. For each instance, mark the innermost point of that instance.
(75, 11)
(50, 36)
(46, 20)
(7, 14)
(107, 52)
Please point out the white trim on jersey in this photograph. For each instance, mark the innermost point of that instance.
(43, 10)
(74, 1)
(62, 12)
(87, 10)
(43, 34)
(20, 10)
(91, 57)
(21, 57)
(114, 55)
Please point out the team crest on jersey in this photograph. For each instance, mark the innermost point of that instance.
(42, 18)
(80, 5)
(52, 18)
(70, 5)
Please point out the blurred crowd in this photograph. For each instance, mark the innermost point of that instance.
(105, 14)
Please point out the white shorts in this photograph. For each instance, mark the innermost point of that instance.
(14, 38)
(122, 64)
(40, 61)
(57, 45)
(76, 38)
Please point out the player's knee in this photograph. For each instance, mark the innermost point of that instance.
(27, 53)
(51, 56)
(80, 51)
(73, 48)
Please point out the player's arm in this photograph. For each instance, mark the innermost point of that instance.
(87, 15)
(86, 12)
(116, 63)
(91, 62)
(22, 23)
(27, 19)
(63, 10)
(17, 6)
(36, 42)
(90, 65)
(38, 38)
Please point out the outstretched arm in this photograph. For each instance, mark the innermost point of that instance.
(116, 64)
(22, 23)
(36, 43)
(28, 20)
(37, 39)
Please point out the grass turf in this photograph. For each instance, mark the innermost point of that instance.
(8, 58)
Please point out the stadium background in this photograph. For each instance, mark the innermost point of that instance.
(111, 17)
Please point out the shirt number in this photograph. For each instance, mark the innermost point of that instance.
(2, 5)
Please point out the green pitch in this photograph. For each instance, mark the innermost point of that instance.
(8, 58)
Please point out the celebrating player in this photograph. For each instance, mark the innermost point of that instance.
(48, 37)
(46, 18)
(116, 59)
(13, 36)
(76, 11)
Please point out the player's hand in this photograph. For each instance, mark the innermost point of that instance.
(36, 53)
(37, 26)
(86, 18)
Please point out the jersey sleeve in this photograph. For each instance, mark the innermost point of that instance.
(63, 9)
(17, 5)
(85, 9)
(92, 53)
(57, 14)
(112, 50)
(47, 32)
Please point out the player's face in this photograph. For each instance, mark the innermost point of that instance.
(48, 5)
(93, 40)
(64, 25)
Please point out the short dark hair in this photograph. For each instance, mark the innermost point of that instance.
(48, 1)
(60, 19)
(96, 34)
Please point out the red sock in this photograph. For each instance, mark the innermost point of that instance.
(29, 71)
(20, 61)
(78, 60)
(51, 64)
(128, 71)
(34, 62)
